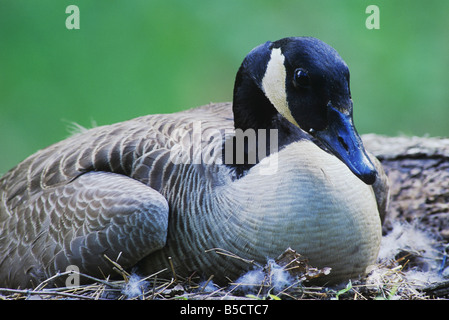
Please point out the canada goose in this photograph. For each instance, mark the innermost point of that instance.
(176, 185)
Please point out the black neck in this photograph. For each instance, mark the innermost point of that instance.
(252, 110)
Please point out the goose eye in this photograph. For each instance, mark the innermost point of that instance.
(301, 78)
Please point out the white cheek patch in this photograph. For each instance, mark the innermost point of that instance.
(273, 84)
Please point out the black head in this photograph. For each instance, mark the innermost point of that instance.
(307, 82)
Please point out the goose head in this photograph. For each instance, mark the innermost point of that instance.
(305, 82)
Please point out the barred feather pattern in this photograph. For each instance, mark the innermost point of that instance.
(95, 193)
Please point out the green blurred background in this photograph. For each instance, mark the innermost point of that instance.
(132, 58)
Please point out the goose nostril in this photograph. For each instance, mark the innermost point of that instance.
(343, 143)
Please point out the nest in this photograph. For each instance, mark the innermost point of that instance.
(289, 277)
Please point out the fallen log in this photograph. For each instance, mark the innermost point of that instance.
(418, 171)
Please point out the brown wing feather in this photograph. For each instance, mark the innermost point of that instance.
(94, 193)
(97, 214)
